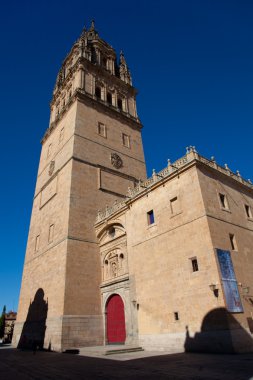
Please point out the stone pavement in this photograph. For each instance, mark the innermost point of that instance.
(23, 365)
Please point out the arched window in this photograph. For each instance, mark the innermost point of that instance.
(109, 98)
(98, 92)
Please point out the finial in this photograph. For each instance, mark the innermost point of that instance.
(153, 172)
(92, 27)
(187, 150)
(212, 158)
(169, 163)
(226, 166)
(238, 173)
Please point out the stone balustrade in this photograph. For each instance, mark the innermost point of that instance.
(142, 186)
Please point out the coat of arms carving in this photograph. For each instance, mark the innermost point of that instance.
(116, 161)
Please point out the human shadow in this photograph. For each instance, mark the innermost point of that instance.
(33, 332)
(220, 333)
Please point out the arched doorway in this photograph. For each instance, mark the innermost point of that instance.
(116, 329)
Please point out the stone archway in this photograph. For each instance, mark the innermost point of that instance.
(115, 321)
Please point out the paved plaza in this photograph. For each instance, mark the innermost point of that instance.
(24, 365)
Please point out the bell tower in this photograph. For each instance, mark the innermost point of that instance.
(91, 153)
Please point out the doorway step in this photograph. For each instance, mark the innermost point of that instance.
(108, 350)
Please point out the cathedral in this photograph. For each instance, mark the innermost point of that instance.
(116, 258)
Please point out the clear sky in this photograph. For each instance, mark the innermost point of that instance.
(192, 62)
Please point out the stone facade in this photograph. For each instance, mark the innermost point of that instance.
(175, 284)
(91, 153)
(156, 241)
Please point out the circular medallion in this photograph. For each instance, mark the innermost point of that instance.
(116, 161)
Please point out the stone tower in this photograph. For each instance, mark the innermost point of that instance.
(91, 153)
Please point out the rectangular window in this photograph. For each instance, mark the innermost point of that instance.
(126, 140)
(223, 201)
(49, 150)
(102, 129)
(151, 217)
(61, 136)
(174, 206)
(195, 266)
(37, 243)
(233, 242)
(176, 316)
(248, 211)
(51, 233)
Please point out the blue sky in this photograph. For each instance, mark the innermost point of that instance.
(192, 62)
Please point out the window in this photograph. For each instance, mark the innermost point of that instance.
(109, 98)
(61, 136)
(120, 104)
(151, 217)
(98, 92)
(51, 233)
(176, 316)
(233, 242)
(101, 129)
(223, 201)
(112, 232)
(248, 211)
(174, 206)
(104, 62)
(194, 263)
(37, 243)
(126, 140)
(49, 150)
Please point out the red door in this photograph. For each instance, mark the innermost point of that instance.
(116, 330)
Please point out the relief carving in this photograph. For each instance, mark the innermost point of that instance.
(115, 265)
(116, 160)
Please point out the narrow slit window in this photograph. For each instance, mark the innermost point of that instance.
(233, 242)
(37, 243)
(174, 206)
(120, 104)
(98, 92)
(101, 129)
(176, 316)
(223, 201)
(248, 211)
(109, 98)
(49, 150)
(51, 233)
(126, 140)
(61, 136)
(151, 217)
(195, 265)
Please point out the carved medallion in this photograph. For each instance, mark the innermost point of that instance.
(51, 168)
(116, 161)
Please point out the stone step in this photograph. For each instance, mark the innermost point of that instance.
(108, 350)
(124, 350)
